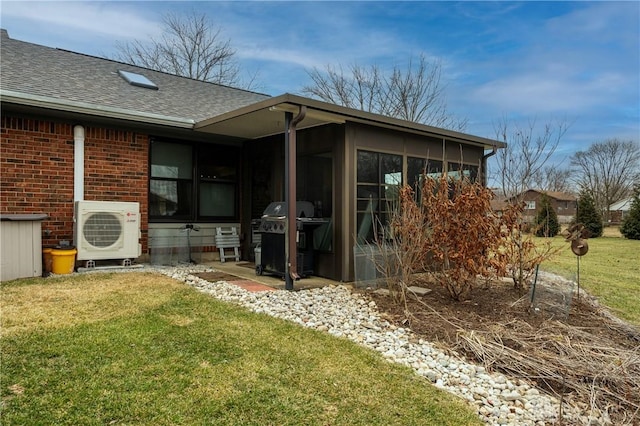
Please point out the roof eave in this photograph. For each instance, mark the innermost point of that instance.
(340, 113)
(8, 96)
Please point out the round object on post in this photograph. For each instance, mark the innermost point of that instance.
(579, 247)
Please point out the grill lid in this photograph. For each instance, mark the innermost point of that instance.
(279, 209)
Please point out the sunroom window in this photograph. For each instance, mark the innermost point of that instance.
(419, 167)
(458, 171)
(379, 177)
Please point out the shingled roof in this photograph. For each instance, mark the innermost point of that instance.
(75, 77)
(560, 196)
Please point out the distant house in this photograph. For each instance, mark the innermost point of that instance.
(81, 128)
(499, 202)
(564, 204)
(620, 210)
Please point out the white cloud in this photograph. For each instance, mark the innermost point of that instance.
(304, 34)
(583, 64)
(111, 19)
(286, 56)
(602, 20)
(538, 92)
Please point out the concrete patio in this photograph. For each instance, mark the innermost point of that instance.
(247, 272)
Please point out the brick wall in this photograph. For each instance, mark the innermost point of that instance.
(565, 209)
(36, 164)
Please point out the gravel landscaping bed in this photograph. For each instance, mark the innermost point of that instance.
(500, 400)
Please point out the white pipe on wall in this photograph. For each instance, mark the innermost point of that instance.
(78, 163)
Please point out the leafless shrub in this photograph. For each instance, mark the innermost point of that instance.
(519, 253)
(462, 231)
(402, 245)
(450, 231)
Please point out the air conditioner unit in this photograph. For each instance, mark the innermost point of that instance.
(107, 230)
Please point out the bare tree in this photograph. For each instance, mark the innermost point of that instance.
(190, 46)
(414, 94)
(528, 151)
(608, 170)
(553, 178)
(519, 167)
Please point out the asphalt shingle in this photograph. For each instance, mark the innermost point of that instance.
(64, 75)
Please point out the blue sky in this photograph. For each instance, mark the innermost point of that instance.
(543, 61)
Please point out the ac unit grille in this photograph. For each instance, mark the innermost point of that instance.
(102, 229)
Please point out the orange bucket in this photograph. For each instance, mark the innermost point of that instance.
(63, 260)
(47, 259)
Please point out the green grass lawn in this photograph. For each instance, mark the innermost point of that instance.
(139, 348)
(610, 271)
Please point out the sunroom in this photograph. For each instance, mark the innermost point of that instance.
(344, 162)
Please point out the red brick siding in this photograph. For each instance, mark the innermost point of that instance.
(36, 164)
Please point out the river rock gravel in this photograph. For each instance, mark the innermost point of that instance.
(336, 310)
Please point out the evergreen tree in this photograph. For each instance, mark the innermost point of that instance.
(631, 225)
(588, 215)
(546, 219)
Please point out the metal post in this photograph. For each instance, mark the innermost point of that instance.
(288, 279)
(535, 282)
(291, 248)
(578, 277)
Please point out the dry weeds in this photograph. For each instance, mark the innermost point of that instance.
(589, 359)
(572, 363)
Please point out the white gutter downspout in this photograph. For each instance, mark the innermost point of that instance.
(78, 163)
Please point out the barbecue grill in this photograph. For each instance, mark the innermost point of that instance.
(272, 228)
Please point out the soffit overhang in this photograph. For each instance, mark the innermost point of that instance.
(267, 118)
